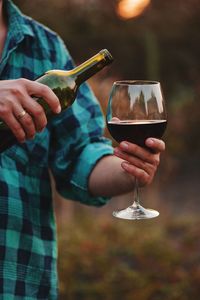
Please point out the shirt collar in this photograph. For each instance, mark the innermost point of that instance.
(18, 26)
(18, 29)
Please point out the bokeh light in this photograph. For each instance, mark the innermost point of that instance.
(131, 8)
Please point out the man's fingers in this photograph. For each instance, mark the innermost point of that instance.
(23, 115)
(15, 127)
(139, 152)
(135, 161)
(40, 90)
(25, 120)
(142, 176)
(36, 111)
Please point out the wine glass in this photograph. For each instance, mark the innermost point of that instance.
(136, 111)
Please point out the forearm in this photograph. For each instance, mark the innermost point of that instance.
(109, 179)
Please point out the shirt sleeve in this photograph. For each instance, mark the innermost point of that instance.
(77, 144)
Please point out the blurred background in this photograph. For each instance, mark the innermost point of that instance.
(105, 258)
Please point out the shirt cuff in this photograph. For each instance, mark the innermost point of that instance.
(87, 161)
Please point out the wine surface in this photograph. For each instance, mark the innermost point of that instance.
(136, 131)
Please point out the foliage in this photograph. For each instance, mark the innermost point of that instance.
(113, 259)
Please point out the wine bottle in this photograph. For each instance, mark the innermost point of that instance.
(65, 85)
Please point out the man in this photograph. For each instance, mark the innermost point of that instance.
(70, 145)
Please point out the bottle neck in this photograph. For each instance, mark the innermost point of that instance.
(90, 67)
(87, 69)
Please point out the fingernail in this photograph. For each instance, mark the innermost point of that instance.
(124, 145)
(58, 109)
(117, 151)
(150, 142)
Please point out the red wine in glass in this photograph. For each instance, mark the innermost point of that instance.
(136, 131)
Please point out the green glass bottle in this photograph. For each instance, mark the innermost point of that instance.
(65, 85)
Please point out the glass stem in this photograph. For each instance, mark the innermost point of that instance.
(136, 202)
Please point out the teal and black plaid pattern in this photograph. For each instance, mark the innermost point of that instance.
(70, 146)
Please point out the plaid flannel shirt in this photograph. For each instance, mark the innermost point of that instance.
(70, 146)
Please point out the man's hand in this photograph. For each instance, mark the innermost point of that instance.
(23, 115)
(115, 174)
(140, 162)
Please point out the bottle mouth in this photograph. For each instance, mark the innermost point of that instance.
(107, 55)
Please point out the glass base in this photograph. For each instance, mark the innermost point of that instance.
(136, 213)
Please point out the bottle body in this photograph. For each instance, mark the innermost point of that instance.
(65, 85)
